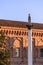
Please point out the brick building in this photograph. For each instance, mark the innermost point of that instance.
(16, 34)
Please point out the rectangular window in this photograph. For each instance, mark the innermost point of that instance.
(41, 52)
(25, 52)
(33, 41)
(16, 52)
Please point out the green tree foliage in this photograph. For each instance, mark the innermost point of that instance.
(4, 51)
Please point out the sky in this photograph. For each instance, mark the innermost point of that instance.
(19, 10)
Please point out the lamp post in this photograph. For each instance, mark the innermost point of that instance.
(29, 26)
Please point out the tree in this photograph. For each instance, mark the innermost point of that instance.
(4, 51)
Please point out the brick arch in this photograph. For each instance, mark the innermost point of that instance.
(19, 41)
(16, 43)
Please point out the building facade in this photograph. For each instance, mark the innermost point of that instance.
(16, 33)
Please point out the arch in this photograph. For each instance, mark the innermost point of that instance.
(16, 43)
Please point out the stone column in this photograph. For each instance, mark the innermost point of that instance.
(29, 26)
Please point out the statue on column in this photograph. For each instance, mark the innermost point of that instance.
(29, 18)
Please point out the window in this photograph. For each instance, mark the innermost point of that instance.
(33, 41)
(41, 52)
(16, 52)
(16, 48)
(25, 52)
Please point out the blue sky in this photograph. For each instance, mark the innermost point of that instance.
(19, 10)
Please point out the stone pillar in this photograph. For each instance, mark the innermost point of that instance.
(29, 26)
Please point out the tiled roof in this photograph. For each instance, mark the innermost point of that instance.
(19, 24)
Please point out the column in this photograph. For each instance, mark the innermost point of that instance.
(29, 26)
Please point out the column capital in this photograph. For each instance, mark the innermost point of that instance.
(29, 26)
